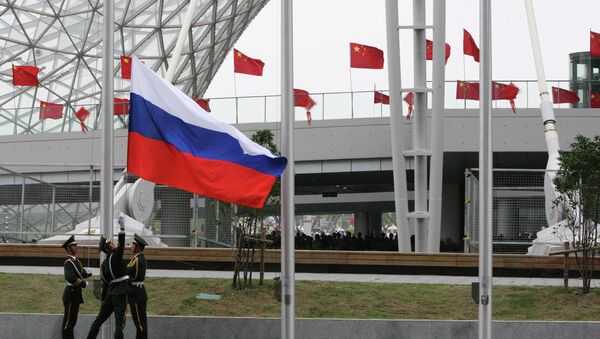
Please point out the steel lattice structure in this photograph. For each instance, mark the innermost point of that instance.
(64, 39)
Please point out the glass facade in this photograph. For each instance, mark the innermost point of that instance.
(585, 79)
(63, 38)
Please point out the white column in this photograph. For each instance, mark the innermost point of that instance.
(485, 174)
(287, 180)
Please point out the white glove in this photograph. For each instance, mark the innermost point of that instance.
(85, 283)
(121, 222)
(88, 271)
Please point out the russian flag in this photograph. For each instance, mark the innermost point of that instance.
(173, 141)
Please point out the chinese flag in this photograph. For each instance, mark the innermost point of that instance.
(594, 44)
(302, 99)
(81, 115)
(125, 67)
(429, 51)
(409, 98)
(246, 65)
(50, 110)
(203, 103)
(363, 56)
(121, 106)
(25, 75)
(505, 92)
(469, 45)
(467, 90)
(381, 98)
(562, 96)
(595, 100)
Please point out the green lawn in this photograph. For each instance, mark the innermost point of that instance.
(170, 296)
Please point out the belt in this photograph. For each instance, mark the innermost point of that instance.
(123, 278)
(137, 283)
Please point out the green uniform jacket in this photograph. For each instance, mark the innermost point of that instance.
(137, 273)
(113, 268)
(74, 275)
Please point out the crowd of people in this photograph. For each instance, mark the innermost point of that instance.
(340, 241)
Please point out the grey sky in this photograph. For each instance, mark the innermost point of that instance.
(324, 28)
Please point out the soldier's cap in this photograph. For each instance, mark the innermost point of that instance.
(102, 244)
(68, 242)
(139, 240)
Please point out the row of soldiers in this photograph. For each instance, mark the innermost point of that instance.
(121, 285)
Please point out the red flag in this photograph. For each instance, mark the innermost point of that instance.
(81, 115)
(505, 92)
(50, 110)
(246, 65)
(429, 51)
(203, 103)
(467, 90)
(409, 98)
(469, 45)
(381, 98)
(302, 99)
(595, 100)
(594, 44)
(25, 75)
(125, 67)
(562, 96)
(121, 106)
(363, 56)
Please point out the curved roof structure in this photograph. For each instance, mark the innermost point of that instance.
(63, 38)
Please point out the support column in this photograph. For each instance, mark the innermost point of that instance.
(361, 222)
(420, 129)
(398, 163)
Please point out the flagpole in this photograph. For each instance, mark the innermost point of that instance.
(374, 94)
(464, 76)
(351, 90)
(287, 179)
(235, 96)
(485, 174)
(106, 167)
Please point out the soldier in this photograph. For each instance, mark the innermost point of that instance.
(74, 275)
(137, 297)
(115, 285)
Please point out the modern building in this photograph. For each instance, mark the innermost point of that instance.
(50, 170)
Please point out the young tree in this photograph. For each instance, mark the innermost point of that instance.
(252, 223)
(578, 183)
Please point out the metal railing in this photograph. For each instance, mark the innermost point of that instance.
(266, 108)
(32, 209)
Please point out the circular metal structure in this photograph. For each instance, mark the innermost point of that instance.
(63, 38)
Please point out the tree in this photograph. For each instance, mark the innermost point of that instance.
(578, 185)
(252, 224)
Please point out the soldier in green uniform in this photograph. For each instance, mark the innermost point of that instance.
(137, 298)
(74, 275)
(115, 285)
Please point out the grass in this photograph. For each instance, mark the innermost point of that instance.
(170, 296)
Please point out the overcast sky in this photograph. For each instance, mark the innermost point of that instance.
(323, 30)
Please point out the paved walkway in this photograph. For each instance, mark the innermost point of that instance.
(368, 278)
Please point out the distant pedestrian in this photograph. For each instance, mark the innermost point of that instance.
(137, 297)
(75, 276)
